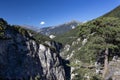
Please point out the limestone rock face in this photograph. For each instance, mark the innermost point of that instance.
(21, 57)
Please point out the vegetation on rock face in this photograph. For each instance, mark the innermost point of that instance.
(3, 26)
(25, 52)
(27, 32)
(101, 33)
(16, 29)
(23, 31)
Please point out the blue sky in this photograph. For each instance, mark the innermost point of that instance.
(42, 13)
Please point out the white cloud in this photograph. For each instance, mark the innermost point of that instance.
(42, 23)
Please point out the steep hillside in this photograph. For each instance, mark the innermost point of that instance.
(91, 46)
(95, 41)
(114, 13)
(68, 37)
(25, 55)
(60, 29)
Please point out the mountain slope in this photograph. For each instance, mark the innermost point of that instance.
(60, 29)
(113, 13)
(64, 38)
(90, 45)
(67, 37)
(25, 55)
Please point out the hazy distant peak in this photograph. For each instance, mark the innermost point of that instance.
(31, 27)
(59, 29)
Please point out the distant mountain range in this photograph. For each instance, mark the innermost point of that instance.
(60, 29)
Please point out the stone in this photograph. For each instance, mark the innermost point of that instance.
(21, 57)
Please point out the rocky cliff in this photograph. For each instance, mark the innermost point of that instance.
(22, 57)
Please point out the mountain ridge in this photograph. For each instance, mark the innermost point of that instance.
(27, 55)
(59, 29)
(114, 13)
(91, 46)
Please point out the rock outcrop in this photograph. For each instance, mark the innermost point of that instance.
(113, 72)
(21, 57)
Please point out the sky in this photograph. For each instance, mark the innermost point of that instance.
(43, 13)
